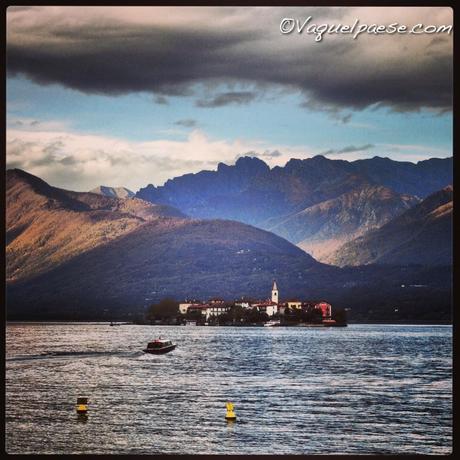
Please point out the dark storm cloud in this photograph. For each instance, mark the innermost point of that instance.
(348, 149)
(99, 54)
(234, 97)
(121, 59)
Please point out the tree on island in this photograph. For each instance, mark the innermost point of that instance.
(339, 315)
(239, 315)
(256, 316)
(235, 314)
(193, 315)
(301, 315)
(316, 315)
(165, 310)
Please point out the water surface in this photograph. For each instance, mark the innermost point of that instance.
(362, 389)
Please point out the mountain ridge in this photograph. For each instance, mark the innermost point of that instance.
(60, 223)
(421, 235)
(323, 227)
(80, 256)
(89, 251)
(251, 192)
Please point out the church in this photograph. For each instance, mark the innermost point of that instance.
(274, 306)
(271, 307)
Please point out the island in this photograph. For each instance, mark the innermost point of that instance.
(269, 312)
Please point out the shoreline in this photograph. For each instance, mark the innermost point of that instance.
(83, 321)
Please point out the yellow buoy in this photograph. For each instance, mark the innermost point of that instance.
(82, 405)
(230, 414)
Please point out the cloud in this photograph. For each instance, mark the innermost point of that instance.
(160, 100)
(186, 123)
(348, 149)
(234, 97)
(415, 151)
(81, 162)
(399, 152)
(346, 118)
(30, 124)
(270, 154)
(77, 161)
(168, 51)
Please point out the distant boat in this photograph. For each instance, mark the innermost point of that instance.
(114, 324)
(272, 323)
(159, 346)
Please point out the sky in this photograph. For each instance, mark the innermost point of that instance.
(130, 96)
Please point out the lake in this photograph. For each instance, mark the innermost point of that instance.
(364, 389)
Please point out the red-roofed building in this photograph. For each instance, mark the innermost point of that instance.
(326, 309)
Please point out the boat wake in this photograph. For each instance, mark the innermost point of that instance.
(72, 354)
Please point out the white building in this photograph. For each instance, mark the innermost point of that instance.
(243, 304)
(271, 308)
(183, 307)
(208, 310)
(216, 310)
(294, 304)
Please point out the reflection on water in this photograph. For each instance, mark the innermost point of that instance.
(362, 389)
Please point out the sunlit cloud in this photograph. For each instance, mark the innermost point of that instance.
(80, 161)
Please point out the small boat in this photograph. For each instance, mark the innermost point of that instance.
(272, 323)
(159, 346)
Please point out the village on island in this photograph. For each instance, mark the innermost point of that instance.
(269, 312)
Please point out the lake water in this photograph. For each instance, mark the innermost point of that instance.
(368, 389)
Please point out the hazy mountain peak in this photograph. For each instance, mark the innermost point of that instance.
(116, 192)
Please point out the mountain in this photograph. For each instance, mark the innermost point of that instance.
(419, 179)
(421, 235)
(46, 226)
(86, 253)
(231, 192)
(316, 203)
(115, 192)
(84, 256)
(176, 258)
(322, 228)
(251, 192)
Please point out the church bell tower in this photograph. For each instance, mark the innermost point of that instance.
(275, 292)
